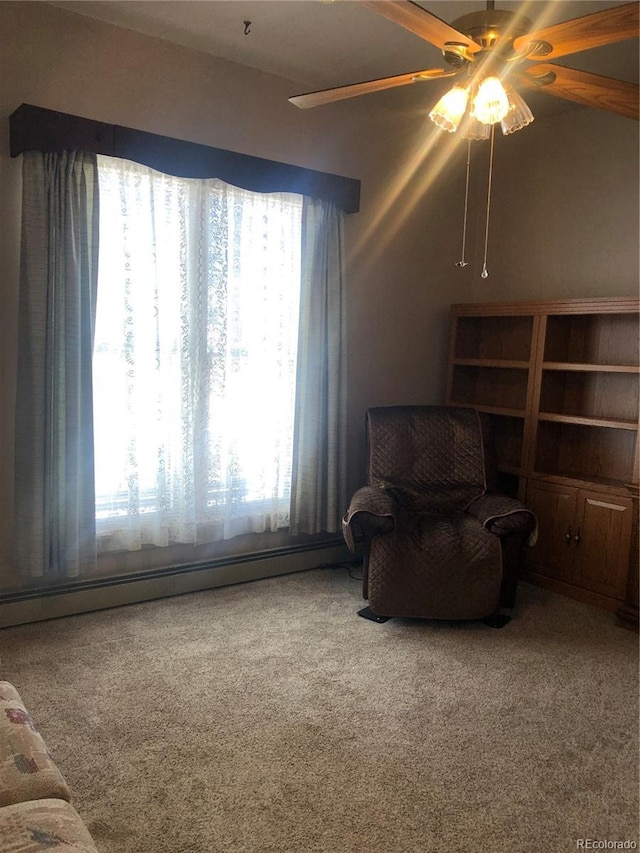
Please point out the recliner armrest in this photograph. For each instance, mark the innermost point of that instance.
(505, 516)
(372, 511)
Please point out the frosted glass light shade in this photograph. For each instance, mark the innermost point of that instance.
(471, 128)
(449, 110)
(491, 103)
(519, 114)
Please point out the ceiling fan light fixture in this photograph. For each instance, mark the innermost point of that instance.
(449, 110)
(491, 103)
(519, 114)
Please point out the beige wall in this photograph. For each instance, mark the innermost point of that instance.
(564, 219)
(564, 214)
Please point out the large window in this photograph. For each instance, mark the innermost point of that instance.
(194, 357)
(171, 332)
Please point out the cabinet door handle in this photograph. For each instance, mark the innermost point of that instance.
(568, 537)
(577, 537)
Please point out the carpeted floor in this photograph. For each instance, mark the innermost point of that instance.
(269, 717)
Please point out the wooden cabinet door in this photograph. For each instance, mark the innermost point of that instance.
(555, 509)
(601, 561)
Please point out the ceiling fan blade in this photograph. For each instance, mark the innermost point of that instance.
(605, 93)
(328, 96)
(599, 28)
(420, 22)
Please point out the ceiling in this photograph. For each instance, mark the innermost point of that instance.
(320, 43)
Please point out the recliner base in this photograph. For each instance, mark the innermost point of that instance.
(496, 620)
(367, 613)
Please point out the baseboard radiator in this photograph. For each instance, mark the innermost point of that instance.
(34, 605)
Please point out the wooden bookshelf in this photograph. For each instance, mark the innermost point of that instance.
(559, 382)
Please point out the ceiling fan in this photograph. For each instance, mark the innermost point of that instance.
(491, 45)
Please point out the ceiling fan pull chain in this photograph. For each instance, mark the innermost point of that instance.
(485, 271)
(462, 262)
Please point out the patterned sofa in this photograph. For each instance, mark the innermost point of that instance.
(35, 801)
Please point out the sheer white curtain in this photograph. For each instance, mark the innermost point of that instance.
(194, 358)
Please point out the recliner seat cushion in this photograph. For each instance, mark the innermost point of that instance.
(435, 567)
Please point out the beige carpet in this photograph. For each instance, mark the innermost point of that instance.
(269, 717)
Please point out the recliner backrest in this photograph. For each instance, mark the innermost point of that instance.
(432, 454)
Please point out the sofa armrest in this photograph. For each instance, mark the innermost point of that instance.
(504, 516)
(372, 511)
(41, 825)
(27, 770)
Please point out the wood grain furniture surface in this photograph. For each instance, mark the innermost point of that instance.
(559, 381)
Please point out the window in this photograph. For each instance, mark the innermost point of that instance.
(164, 474)
(194, 357)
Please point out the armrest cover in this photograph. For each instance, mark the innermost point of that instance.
(502, 516)
(374, 504)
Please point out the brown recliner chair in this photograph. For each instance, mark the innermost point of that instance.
(437, 543)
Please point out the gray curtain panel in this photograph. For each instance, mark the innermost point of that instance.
(318, 487)
(54, 513)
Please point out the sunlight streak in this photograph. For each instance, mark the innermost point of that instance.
(421, 168)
